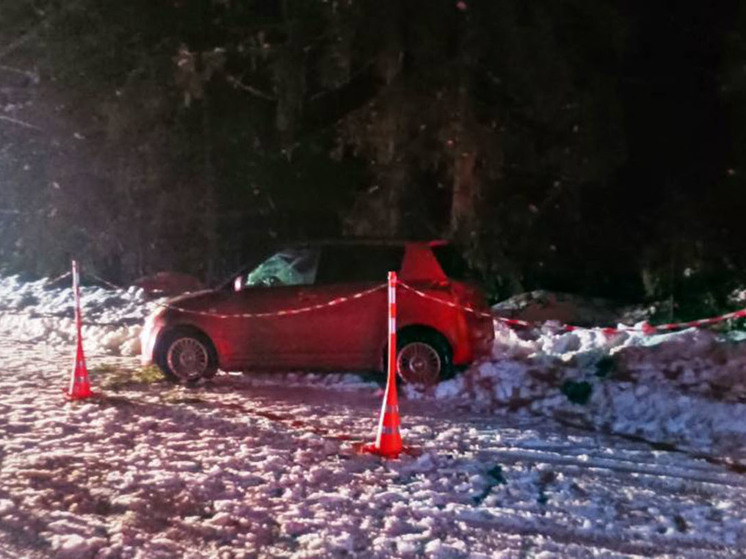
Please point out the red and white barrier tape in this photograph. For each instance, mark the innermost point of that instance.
(59, 278)
(646, 328)
(106, 282)
(451, 303)
(283, 312)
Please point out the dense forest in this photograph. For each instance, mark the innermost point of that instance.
(590, 146)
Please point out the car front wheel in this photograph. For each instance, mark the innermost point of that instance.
(186, 356)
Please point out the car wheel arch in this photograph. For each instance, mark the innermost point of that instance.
(415, 331)
(186, 329)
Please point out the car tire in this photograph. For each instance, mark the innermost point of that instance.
(423, 358)
(186, 356)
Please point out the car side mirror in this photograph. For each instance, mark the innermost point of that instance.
(239, 283)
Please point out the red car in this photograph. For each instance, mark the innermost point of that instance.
(244, 326)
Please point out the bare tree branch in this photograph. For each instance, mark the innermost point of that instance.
(235, 82)
(19, 122)
(344, 84)
(22, 40)
(29, 74)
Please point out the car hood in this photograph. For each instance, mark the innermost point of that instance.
(197, 301)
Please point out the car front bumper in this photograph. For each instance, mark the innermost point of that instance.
(148, 338)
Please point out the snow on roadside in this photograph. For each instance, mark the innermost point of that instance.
(39, 312)
(686, 389)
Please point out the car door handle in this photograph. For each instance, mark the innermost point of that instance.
(307, 297)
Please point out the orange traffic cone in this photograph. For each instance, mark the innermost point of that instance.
(388, 439)
(80, 385)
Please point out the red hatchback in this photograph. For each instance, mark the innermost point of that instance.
(335, 292)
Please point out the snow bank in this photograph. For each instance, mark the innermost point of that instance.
(687, 388)
(39, 312)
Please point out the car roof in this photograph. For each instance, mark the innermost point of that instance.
(279, 244)
(363, 241)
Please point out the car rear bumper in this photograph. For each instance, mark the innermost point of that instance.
(471, 336)
(481, 336)
(483, 339)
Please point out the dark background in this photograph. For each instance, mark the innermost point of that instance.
(590, 146)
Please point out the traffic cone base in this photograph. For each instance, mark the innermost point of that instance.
(80, 384)
(371, 448)
(388, 437)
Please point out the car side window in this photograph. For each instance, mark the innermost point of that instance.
(292, 266)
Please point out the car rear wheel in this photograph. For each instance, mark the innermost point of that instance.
(423, 359)
(186, 356)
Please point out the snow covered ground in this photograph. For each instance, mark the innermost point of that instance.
(504, 463)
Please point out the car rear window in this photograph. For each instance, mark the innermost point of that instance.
(454, 265)
(345, 264)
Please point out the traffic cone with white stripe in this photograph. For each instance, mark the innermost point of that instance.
(80, 385)
(388, 439)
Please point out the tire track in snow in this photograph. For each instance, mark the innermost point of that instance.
(612, 465)
(650, 546)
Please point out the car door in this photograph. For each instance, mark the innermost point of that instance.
(346, 332)
(264, 331)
